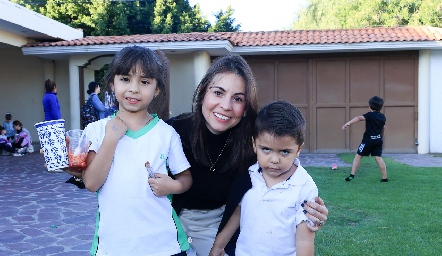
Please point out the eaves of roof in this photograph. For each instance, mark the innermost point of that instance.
(256, 43)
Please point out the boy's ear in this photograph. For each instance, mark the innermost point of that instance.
(299, 150)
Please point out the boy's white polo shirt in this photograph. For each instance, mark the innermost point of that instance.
(131, 219)
(269, 216)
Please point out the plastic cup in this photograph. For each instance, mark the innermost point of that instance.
(53, 143)
(78, 147)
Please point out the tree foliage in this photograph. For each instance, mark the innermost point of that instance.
(224, 21)
(112, 17)
(323, 14)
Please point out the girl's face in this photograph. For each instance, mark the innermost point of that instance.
(3, 132)
(97, 90)
(276, 155)
(224, 102)
(134, 92)
(16, 127)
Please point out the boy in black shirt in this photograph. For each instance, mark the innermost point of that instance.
(373, 137)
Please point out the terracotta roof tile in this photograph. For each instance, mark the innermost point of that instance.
(273, 38)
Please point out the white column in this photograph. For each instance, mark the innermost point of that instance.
(74, 90)
(201, 63)
(423, 123)
(435, 103)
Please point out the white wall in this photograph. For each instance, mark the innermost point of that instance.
(186, 72)
(22, 87)
(435, 102)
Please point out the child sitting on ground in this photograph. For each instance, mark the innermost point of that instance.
(23, 140)
(4, 142)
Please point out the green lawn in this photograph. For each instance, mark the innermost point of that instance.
(366, 217)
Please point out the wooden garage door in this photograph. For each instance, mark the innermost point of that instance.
(331, 90)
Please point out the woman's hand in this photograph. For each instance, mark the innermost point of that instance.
(316, 212)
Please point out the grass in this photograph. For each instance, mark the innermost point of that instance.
(367, 217)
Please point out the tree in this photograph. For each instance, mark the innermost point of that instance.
(224, 21)
(120, 17)
(320, 14)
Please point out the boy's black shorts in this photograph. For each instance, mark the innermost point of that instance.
(370, 147)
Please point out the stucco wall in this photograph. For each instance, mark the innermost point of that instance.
(186, 71)
(22, 87)
(436, 103)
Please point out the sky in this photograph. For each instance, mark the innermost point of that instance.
(255, 15)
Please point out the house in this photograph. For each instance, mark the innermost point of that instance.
(328, 74)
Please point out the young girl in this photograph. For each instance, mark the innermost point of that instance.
(270, 215)
(135, 216)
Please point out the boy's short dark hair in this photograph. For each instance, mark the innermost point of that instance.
(376, 103)
(280, 119)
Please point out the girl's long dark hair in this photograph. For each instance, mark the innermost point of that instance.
(150, 64)
(239, 146)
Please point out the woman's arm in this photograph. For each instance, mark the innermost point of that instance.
(226, 234)
(316, 212)
(98, 105)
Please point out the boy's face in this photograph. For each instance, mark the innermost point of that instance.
(276, 154)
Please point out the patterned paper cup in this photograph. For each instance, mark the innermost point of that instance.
(53, 143)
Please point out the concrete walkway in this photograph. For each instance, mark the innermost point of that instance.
(42, 215)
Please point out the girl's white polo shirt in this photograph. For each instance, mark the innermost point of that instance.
(131, 220)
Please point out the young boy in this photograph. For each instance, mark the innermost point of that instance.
(270, 215)
(372, 140)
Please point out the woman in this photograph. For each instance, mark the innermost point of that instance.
(217, 142)
(93, 91)
(50, 102)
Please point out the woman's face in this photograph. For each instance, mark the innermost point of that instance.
(224, 102)
(16, 127)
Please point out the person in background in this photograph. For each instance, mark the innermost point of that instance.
(93, 91)
(373, 138)
(270, 213)
(23, 139)
(7, 124)
(50, 102)
(109, 103)
(4, 142)
(217, 141)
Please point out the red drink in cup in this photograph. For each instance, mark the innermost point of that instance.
(78, 147)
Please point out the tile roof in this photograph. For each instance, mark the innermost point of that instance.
(273, 38)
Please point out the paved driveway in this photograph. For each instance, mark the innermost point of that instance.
(42, 215)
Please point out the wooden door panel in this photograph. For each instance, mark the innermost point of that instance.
(400, 80)
(330, 81)
(364, 80)
(264, 73)
(292, 82)
(329, 136)
(399, 133)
